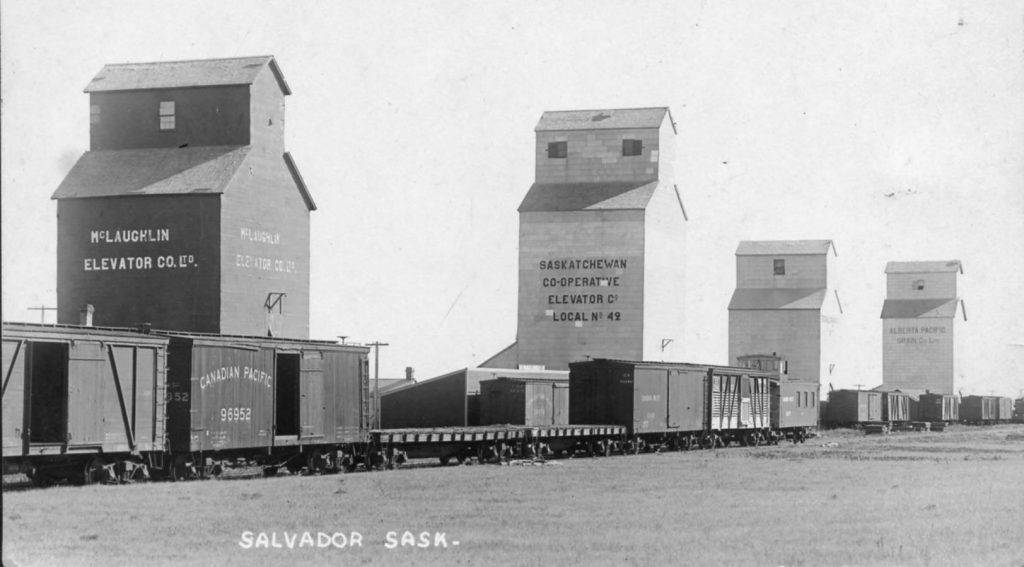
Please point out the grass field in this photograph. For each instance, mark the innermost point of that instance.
(951, 498)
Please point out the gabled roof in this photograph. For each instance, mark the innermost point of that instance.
(299, 181)
(777, 298)
(608, 119)
(783, 247)
(920, 308)
(923, 267)
(178, 74)
(152, 171)
(162, 171)
(550, 197)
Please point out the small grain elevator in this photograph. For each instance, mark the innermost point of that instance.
(918, 339)
(783, 304)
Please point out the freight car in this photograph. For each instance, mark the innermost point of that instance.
(796, 410)
(82, 403)
(847, 408)
(674, 405)
(937, 408)
(895, 407)
(524, 401)
(1004, 409)
(979, 410)
(278, 402)
(94, 404)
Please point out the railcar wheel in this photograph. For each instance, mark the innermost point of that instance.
(707, 441)
(316, 462)
(95, 471)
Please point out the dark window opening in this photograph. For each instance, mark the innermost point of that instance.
(167, 115)
(558, 149)
(286, 406)
(780, 267)
(918, 285)
(47, 377)
(632, 147)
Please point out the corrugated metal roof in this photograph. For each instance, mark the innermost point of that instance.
(549, 197)
(178, 74)
(152, 171)
(777, 298)
(924, 308)
(608, 119)
(783, 247)
(924, 267)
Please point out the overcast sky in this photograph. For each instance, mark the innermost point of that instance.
(893, 128)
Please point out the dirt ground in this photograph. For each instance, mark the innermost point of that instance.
(843, 498)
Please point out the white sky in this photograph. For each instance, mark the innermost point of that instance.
(412, 123)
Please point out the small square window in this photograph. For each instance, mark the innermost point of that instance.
(558, 149)
(779, 267)
(94, 114)
(632, 147)
(167, 115)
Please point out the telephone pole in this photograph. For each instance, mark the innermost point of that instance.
(376, 382)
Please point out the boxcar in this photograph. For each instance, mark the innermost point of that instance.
(853, 407)
(277, 401)
(938, 407)
(1004, 409)
(450, 400)
(979, 409)
(83, 403)
(672, 403)
(524, 401)
(895, 407)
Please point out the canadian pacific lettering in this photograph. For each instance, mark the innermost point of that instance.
(225, 373)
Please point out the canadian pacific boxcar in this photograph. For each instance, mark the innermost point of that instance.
(280, 402)
(673, 404)
(82, 403)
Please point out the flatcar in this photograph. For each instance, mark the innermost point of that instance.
(674, 405)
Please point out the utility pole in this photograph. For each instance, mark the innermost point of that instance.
(42, 309)
(376, 382)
